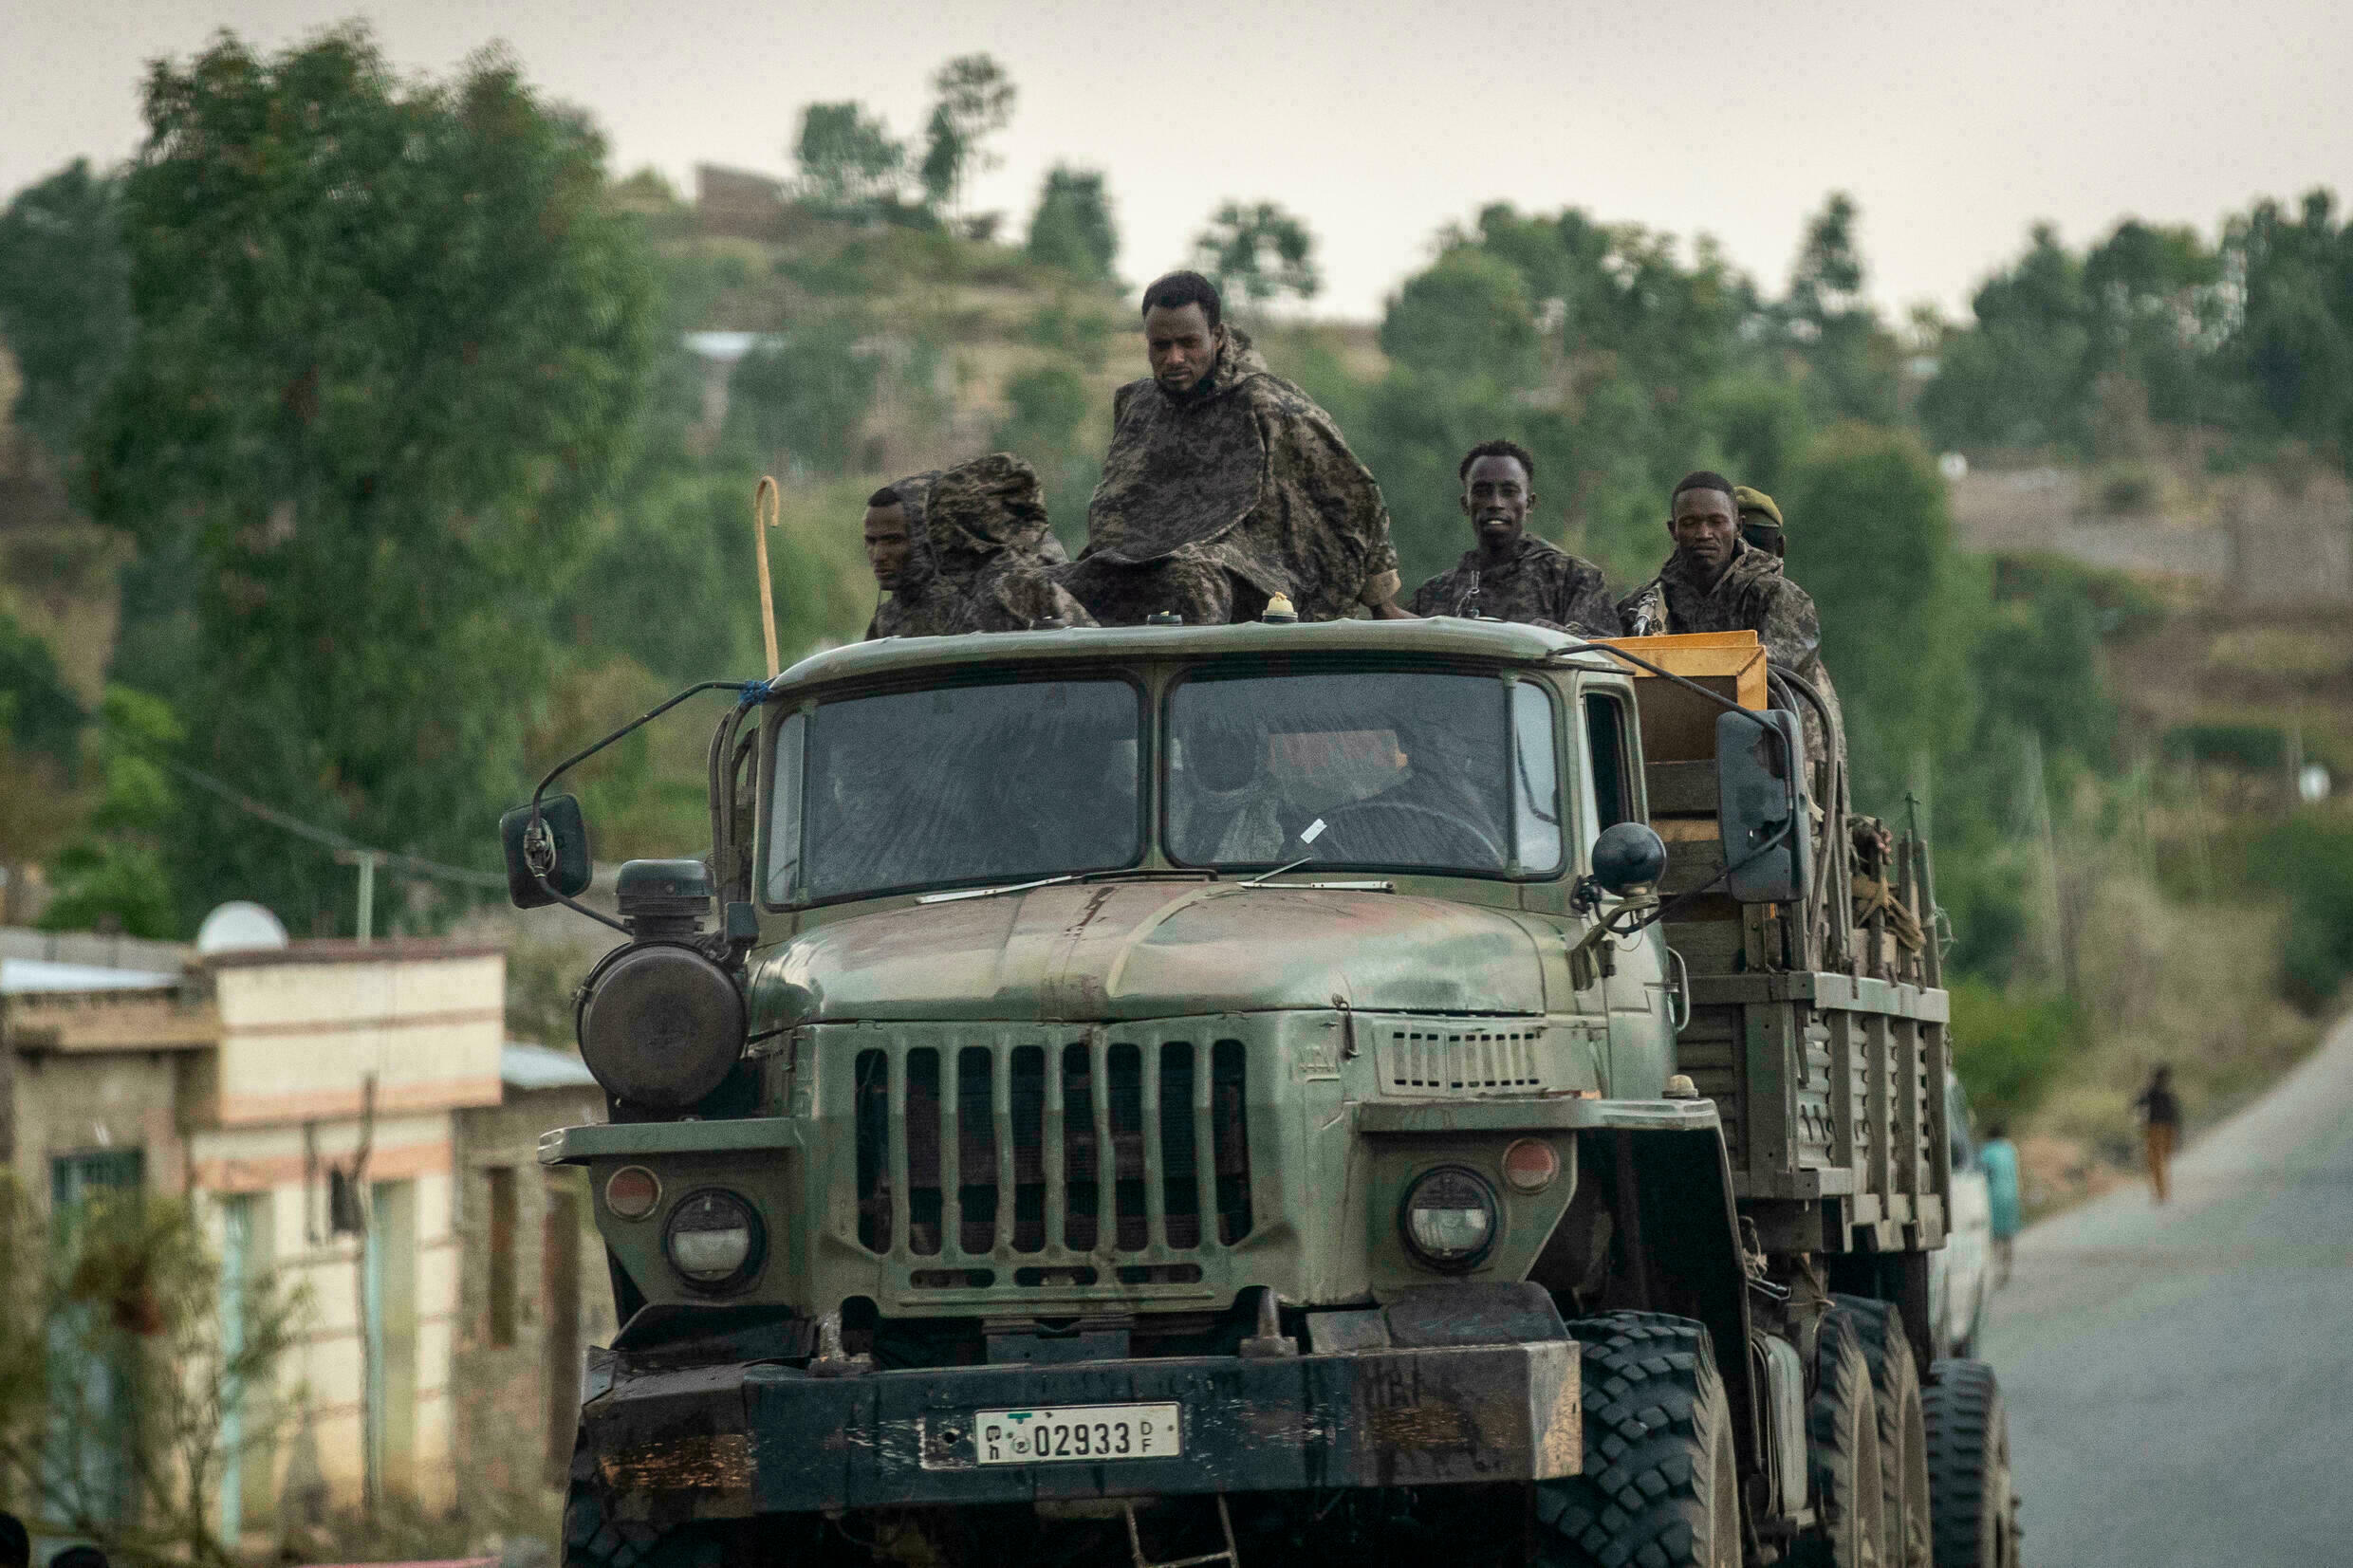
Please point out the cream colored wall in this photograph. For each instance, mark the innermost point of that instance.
(322, 1376)
(298, 1038)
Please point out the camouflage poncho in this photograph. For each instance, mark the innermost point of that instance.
(1214, 502)
(1541, 585)
(986, 526)
(1754, 595)
(979, 552)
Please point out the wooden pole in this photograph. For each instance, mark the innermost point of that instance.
(767, 507)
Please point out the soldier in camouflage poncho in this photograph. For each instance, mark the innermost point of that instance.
(974, 553)
(1717, 582)
(1512, 575)
(1226, 486)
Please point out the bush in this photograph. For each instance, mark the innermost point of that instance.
(2010, 1043)
(2258, 747)
(2310, 860)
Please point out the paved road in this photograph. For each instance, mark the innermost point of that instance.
(2180, 1380)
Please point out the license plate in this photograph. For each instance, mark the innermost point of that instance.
(1073, 1433)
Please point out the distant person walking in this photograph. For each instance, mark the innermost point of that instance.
(1998, 1156)
(2160, 1121)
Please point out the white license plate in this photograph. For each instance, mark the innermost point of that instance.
(1077, 1433)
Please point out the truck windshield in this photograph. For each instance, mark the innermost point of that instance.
(1404, 769)
(964, 784)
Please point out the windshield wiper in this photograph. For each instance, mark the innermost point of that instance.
(1307, 836)
(990, 893)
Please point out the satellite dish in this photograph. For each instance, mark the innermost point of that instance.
(239, 927)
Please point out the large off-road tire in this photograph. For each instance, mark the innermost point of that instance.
(593, 1540)
(1659, 1487)
(1975, 1512)
(1903, 1434)
(1843, 1453)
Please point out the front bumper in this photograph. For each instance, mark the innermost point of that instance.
(738, 1441)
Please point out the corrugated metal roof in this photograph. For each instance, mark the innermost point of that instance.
(522, 1065)
(26, 976)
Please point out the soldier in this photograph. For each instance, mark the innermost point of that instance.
(967, 549)
(1224, 485)
(1760, 521)
(1512, 575)
(920, 604)
(1717, 582)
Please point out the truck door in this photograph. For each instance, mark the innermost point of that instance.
(1640, 1034)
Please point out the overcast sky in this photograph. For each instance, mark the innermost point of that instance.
(1954, 126)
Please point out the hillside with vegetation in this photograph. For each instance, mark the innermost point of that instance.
(359, 521)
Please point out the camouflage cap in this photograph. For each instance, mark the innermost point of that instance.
(1748, 501)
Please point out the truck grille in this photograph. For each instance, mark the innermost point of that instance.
(1432, 1062)
(981, 1151)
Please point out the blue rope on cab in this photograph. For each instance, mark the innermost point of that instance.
(754, 691)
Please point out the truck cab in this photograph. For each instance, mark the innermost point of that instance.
(1183, 1079)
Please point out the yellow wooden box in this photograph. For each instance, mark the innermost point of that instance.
(1677, 724)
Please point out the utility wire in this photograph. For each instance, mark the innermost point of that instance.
(328, 837)
(343, 845)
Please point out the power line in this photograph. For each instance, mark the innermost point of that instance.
(340, 844)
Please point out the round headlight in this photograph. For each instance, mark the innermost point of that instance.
(662, 1026)
(713, 1240)
(1450, 1219)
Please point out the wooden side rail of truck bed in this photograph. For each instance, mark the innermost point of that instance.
(1818, 1027)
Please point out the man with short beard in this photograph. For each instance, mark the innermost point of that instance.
(1510, 574)
(1226, 486)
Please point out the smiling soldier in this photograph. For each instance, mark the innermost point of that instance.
(1226, 484)
(1510, 574)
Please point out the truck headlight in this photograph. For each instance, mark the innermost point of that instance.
(713, 1240)
(1450, 1219)
(660, 1026)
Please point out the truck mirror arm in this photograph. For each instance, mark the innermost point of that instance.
(749, 691)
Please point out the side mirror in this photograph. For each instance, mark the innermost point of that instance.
(1760, 805)
(558, 851)
(1628, 858)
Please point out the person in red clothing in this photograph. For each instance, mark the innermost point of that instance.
(2161, 1124)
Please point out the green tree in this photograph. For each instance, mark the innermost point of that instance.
(64, 299)
(1072, 227)
(803, 399)
(1850, 359)
(849, 162)
(117, 873)
(1259, 251)
(2021, 377)
(1871, 539)
(975, 101)
(1467, 317)
(391, 338)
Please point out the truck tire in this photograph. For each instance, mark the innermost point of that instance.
(1843, 1454)
(1903, 1434)
(1975, 1512)
(593, 1540)
(1660, 1489)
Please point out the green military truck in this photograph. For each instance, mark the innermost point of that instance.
(1360, 1092)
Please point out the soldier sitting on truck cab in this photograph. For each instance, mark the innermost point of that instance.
(1510, 574)
(1224, 485)
(966, 549)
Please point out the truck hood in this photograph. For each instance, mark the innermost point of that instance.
(1156, 950)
